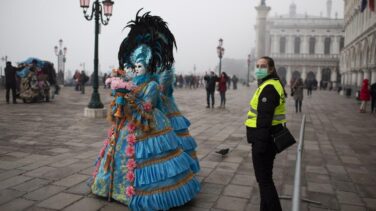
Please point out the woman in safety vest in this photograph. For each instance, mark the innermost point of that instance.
(265, 117)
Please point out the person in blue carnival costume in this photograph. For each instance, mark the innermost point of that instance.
(142, 163)
(178, 121)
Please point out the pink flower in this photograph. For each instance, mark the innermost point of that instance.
(95, 173)
(114, 84)
(131, 138)
(147, 106)
(131, 127)
(130, 191)
(109, 132)
(131, 164)
(129, 151)
(105, 142)
(101, 153)
(108, 81)
(130, 176)
(130, 85)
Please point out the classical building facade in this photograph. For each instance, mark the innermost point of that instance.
(358, 58)
(303, 45)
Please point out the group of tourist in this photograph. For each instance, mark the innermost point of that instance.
(80, 79)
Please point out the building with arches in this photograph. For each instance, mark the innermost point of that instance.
(358, 58)
(302, 45)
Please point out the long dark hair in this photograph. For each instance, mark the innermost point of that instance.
(271, 64)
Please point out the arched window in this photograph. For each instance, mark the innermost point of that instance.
(297, 45)
(312, 43)
(327, 45)
(341, 43)
(282, 45)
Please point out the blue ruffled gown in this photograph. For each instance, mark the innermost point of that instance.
(179, 123)
(164, 176)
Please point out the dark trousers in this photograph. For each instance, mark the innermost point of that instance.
(298, 106)
(309, 91)
(263, 155)
(210, 95)
(373, 103)
(8, 88)
(223, 98)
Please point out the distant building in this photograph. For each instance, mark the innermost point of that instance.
(358, 58)
(302, 45)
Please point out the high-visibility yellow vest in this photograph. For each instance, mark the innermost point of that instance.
(279, 112)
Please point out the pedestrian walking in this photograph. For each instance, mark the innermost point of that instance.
(297, 89)
(76, 78)
(83, 79)
(210, 81)
(373, 97)
(266, 117)
(309, 85)
(222, 88)
(364, 96)
(10, 82)
(234, 82)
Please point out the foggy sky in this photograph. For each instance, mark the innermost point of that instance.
(33, 28)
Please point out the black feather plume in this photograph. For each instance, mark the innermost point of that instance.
(153, 32)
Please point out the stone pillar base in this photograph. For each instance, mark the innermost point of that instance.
(95, 112)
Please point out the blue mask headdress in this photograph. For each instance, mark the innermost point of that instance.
(141, 54)
(148, 32)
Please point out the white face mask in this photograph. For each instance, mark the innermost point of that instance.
(139, 69)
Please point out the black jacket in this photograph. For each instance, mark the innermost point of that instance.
(210, 82)
(10, 75)
(267, 102)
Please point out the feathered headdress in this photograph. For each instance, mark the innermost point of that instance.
(148, 34)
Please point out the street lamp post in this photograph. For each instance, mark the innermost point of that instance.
(220, 52)
(60, 52)
(249, 65)
(96, 12)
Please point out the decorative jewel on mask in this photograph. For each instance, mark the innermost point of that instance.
(261, 73)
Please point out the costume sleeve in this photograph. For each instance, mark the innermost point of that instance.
(267, 102)
(152, 93)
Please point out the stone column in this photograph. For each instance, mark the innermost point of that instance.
(359, 78)
(318, 76)
(366, 75)
(304, 48)
(353, 78)
(304, 73)
(336, 45)
(288, 75)
(262, 13)
(373, 76)
(333, 77)
(290, 44)
(319, 48)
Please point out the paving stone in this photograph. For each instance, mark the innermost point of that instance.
(219, 177)
(17, 204)
(345, 207)
(8, 195)
(371, 203)
(245, 180)
(321, 188)
(13, 181)
(64, 162)
(211, 188)
(59, 201)
(115, 206)
(85, 204)
(40, 171)
(231, 203)
(80, 189)
(44, 192)
(225, 166)
(349, 198)
(31, 185)
(10, 173)
(238, 191)
(71, 180)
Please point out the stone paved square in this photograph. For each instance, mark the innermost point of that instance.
(46, 165)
